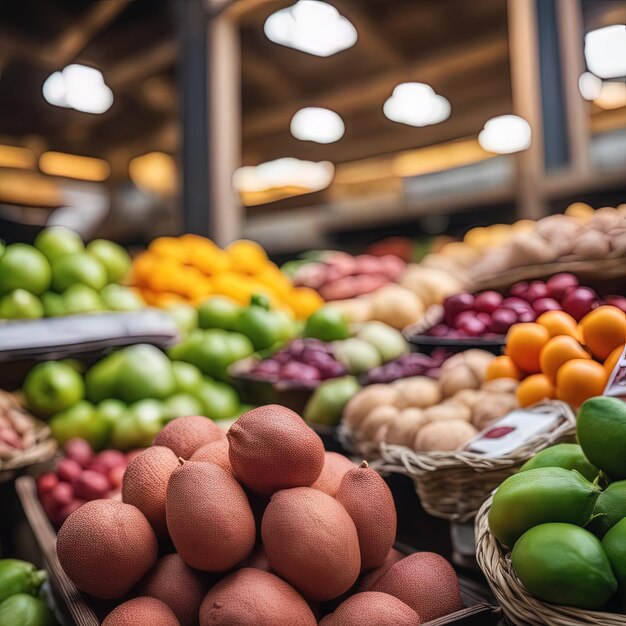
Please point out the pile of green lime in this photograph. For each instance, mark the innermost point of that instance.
(564, 513)
(59, 275)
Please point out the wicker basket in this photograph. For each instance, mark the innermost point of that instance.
(517, 604)
(453, 485)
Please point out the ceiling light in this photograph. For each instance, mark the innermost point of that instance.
(416, 104)
(78, 87)
(154, 172)
(612, 95)
(316, 124)
(311, 26)
(605, 51)
(74, 166)
(505, 134)
(285, 172)
(14, 156)
(589, 86)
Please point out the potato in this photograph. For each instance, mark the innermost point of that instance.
(592, 244)
(477, 359)
(357, 310)
(375, 419)
(495, 406)
(448, 410)
(402, 430)
(469, 397)
(396, 306)
(501, 385)
(444, 436)
(363, 402)
(530, 249)
(458, 378)
(417, 391)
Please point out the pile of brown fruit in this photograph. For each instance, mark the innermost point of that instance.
(258, 527)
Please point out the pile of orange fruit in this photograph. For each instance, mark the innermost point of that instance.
(554, 357)
(189, 268)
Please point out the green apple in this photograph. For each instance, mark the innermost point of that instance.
(57, 242)
(219, 401)
(79, 268)
(111, 410)
(187, 377)
(239, 346)
(126, 434)
(81, 420)
(20, 304)
(185, 317)
(81, 299)
(102, 379)
(208, 350)
(121, 298)
(218, 312)
(149, 416)
(3, 248)
(114, 258)
(53, 304)
(24, 267)
(183, 404)
(145, 372)
(52, 387)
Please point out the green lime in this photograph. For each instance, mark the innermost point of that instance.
(115, 259)
(610, 508)
(218, 312)
(219, 400)
(187, 377)
(566, 455)
(329, 399)
(126, 434)
(57, 242)
(614, 544)
(111, 410)
(52, 387)
(22, 609)
(121, 298)
(327, 324)
(101, 380)
(144, 372)
(183, 404)
(539, 496)
(81, 420)
(185, 317)
(286, 326)
(208, 350)
(81, 299)
(564, 564)
(24, 267)
(239, 346)
(601, 430)
(20, 304)
(53, 304)
(259, 325)
(79, 268)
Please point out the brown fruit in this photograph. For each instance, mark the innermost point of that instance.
(311, 542)
(182, 588)
(271, 448)
(426, 582)
(368, 580)
(258, 559)
(214, 452)
(335, 467)
(106, 547)
(141, 611)
(185, 435)
(145, 484)
(250, 597)
(366, 497)
(372, 607)
(208, 517)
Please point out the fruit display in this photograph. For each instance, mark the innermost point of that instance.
(556, 357)
(124, 399)
(59, 275)
(340, 276)
(21, 599)
(18, 430)
(411, 364)
(564, 514)
(429, 415)
(284, 527)
(188, 269)
(80, 475)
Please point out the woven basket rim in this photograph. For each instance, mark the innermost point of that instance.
(42, 450)
(519, 606)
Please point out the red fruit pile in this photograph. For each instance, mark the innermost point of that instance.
(489, 314)
(81, 476)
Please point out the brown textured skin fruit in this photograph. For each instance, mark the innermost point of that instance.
(145, 484)
(214, 452)
(182, 588)
(368, 500)
(208, 517)
(335, 467)
(105, 547)
(148, 611)
(258, 559)
(185, 435)
(368, 580)
(426, 582)
(371, 607)
(250, 597)
(271, 448)
(311, 542)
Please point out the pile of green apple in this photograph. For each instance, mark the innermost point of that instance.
(125, 399)
(59, 275)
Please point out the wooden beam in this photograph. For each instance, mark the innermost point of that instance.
(143, 65)
(357, 96)
(263, 74)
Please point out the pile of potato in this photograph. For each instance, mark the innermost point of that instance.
(18, 431)
(433, 415)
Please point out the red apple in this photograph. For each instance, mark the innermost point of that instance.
(515, 304)
(471, 326)
(579, 301)
(519, 289)
(527, 316)
(487, 301)
(46, 482)
(453, 305)
(485, 318)
(542, 305)
(69, 470)
(502, 320)
(618, 301)
(559, 284)
(536, 290)
(79, 450)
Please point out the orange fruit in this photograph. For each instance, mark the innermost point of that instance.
(558, 351)
(603, 330)
(611, 362)
(559, 323)
(502, 367)
(534, 389)
(580, 379)
(524, 343)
